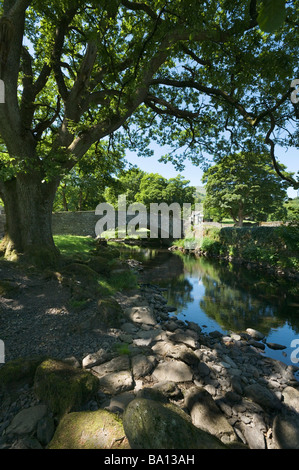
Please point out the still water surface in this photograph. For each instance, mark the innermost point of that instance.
(226, 297)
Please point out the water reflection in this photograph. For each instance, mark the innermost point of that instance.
(226, 297)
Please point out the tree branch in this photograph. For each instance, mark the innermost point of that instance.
(270, 142)
(140, 7)
(211, 91)
(61, 31)
(80, 86)
(170, 108)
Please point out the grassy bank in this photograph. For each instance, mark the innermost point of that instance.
(276, 247)
(97, 265)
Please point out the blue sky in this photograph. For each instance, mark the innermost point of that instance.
(289, 158)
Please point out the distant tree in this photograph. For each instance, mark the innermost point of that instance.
(127, 184)
(152, 187)
(244, 185)
(178, 190)
(148, 188)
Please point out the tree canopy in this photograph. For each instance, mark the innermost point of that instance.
(198, 76)
(244, 185)
(147, 188)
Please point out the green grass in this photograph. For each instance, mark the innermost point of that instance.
(140, 233)
(72, 245)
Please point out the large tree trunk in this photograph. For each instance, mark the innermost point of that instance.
(28, 206)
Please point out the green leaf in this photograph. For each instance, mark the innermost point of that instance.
(272, 15)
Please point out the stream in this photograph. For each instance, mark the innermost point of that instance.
(227, 297)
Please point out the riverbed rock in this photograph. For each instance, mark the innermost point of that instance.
(291, 398)
(255, 333)
(254, 437)
(26, 420)
(94, 359)
(275, 346)
(45, 430)
(262, 396)
(141, 314)
(173, 371)
(206, 415)
(176, 351)
(152, 425)
(99, 429)
(142, 365)
(114, 365)
(118, 403)
(256, 344)
(286, 431)
(185, 338)
(116, 382)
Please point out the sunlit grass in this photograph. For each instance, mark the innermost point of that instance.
(71, 245)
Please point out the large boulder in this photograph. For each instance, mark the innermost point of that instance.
(286, 431)
(152, 425)
(99, 429)
(18, 371)
(62, 386)
(291, 398)
(262, 396)
(206, 415)
(26, 421)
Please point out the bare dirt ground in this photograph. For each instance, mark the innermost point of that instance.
(37, 317)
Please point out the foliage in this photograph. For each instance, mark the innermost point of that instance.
(147, 188)
(84, 186)
(272, 246)
(243, 185)
(272, 15)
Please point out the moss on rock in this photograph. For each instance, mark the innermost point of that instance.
(152, 425)
(98, 264)
(19, 370)
(108, 252)
(62, 386)
(81, 271)
(109, 313)
(99, 429)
